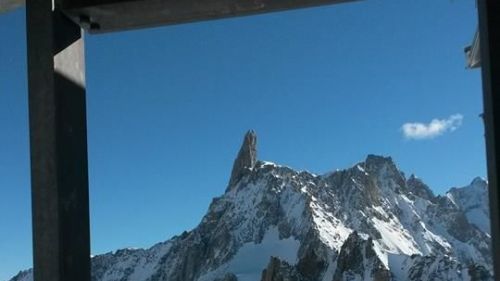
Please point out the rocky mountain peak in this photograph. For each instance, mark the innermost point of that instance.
(419, 188)
(383, 167)
(375, 163)
(479, 182)
(246, 159)
(372, 159)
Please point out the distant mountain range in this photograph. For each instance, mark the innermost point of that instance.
(367, 222)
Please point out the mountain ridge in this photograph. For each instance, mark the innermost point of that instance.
(366, 222)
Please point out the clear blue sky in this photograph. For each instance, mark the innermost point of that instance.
(323, 87)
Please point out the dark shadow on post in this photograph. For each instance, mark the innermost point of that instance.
(73, 191)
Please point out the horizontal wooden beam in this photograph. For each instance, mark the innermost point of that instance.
(98, 16)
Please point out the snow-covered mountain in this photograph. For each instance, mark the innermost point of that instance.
(367, 222)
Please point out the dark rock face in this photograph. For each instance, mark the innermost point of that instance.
(246, 159)
(384, 168)
(228, 277)
(311, 265)
(479, 273)
(278, 270)
(356, 257)
(444, 267)
(418, 188)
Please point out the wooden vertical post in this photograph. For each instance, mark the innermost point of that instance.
(489, 32)
(58, 144)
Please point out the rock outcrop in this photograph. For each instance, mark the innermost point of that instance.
(358, 261)
(419, 188)
(278, 270)
(246, 159)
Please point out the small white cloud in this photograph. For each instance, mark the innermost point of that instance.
(436, 127)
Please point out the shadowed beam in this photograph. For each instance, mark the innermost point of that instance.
(58, 144)
(114, 15)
